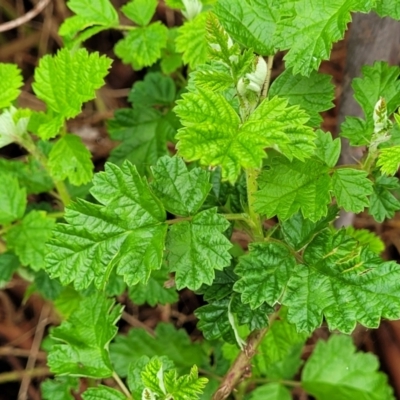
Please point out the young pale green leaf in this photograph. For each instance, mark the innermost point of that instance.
(182, 192)
(12, 129)
(271, 391)
(191, 41)
(142, 46)
(388, 8)
(81, 348)
(310, 32)
(358, 131)
(126, 232)
(252, 24)
(389, 160)
(351, 188)
(366, 238)
(10, 83)
(140, 11)
(102, 12)
(327, 149)
(383, 204)
(28, 239)
(198, 247)
(337, 281)
(336, 371)
(264, 273)
(102, 393)
(68, 79)
(12, 199)
(313, 93)
(379, 80)
(153, 379)
(9, 263)
(288, 187)
(59, 388)
(69, 158)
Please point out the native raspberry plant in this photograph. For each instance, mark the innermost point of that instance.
(197, 162)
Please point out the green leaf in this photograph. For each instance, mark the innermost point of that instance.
(252, 24)
(9, 263)
(264, 273)
(191, 41)
(28, 239)
(222, 139)
(351, 188)
(126, 232)
(154, 292)
(338, 279)
(311, 31)
(81, 348)
(102, 393)
(102, 12)
(327, 149)
(142, 46)
(358, 131)
(388, 8)
(336, 371)
(288, 187)
(271, 391)
(171, 59)
(367, 238)
(313, 93)
(196, 248)
(68, 79)
(389, 160)
(48, 288)
(134, 378)
(69, 158)
(140, 11)
(383, 204)
(12, 199)
(10, 83)
(59, 388)
(181, 191)
(167, 341)
(12, 130)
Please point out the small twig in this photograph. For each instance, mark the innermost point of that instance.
(18, 375)
(26, 17)
(122, 386)
(12, 351)
(133, 321)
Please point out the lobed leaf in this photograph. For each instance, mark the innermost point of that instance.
(389, 160)
(10, 83)
(383, 204)
(59, 388)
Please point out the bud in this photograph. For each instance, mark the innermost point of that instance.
(258, 77)
(192, 8)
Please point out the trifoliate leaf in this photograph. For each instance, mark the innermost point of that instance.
(9, 263)
(264, 273)
(69, 158)
(271, 391)
(12, 199)
(389, 160)
(12, 130)
(252, 24)
(68, 79)
(313, 94)
(223, 140)
(10, 83)
(291, 186)
(366, 238)
(338, 279)
(379, 80)
(167, 341)
(102, 393)
(59, 388)
(142, 46)
(383, 204)
(81, 348)
(125, 232)
(336, 371)
(181, 191)
(191, 41)
(140, 11)
(327, 149)
(388, 8)
(28, 239)
(153, 292)
(351, 188)
(311, 31)
(358, 131)
(198, 247)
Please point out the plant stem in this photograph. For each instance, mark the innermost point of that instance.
(18, 375)
(63, 192)
(251, 179)
(125, 27)
(122, 386)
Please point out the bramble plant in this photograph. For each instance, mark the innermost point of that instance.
(258, 163)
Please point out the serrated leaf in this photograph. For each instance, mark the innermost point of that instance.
(171, 59)
(68, 79)
(335, 370)
(252, 24)
(48, 288)
(198, 247)
(102, 393)
(288, 187)
(69, 158)
(12, 199)
(81, 348)
(366, 238)
(351, 188)
(142, 46)
(389, 160)
(102, 12)
(271, 391)
(140, 11)
(126, 232)
(313, 93)
(59, 388)
(383, 204)
(181, 191)
(10, 83)
(264, 273)
(9, 263)
(311, 31)
(134, 378)
(388, 8)
(167, 341)
(327, 149)
(12, 130)
(191, 41)
(358, 131)
(339, 278)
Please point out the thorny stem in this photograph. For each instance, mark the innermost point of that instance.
(122, 386)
